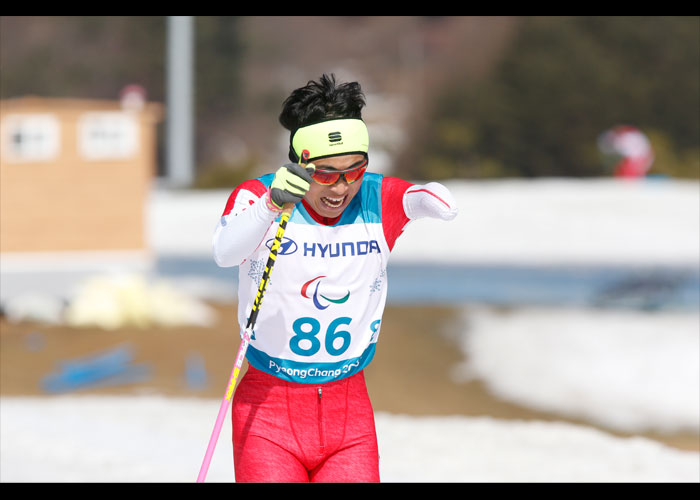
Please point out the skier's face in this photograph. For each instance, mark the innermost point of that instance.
(330, 200)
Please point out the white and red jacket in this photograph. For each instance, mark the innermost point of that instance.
(322, 309)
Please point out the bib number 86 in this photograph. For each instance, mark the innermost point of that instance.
(305, 341)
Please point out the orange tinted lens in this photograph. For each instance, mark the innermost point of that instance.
(325, 178)
(330, 177)
(354, 175)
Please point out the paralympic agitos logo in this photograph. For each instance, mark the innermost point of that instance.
(316, 296)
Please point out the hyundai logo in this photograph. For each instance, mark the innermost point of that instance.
(287, 247)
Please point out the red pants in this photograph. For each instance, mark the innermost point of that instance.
(291, 432)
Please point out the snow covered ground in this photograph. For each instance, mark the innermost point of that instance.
(639, 372)
(627, 370)
(546, 222)
(154, 439)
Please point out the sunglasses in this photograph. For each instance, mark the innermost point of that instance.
(330, 177)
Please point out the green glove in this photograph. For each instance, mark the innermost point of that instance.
(291, 183)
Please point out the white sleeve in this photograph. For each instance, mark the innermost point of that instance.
(429, 200)
(239, 233)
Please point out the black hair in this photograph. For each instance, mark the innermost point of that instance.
(321, 101)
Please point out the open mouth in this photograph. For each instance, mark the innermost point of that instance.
(333, 203)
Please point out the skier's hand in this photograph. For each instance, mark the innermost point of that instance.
(291, 183)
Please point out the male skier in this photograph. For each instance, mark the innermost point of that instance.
(301, 412)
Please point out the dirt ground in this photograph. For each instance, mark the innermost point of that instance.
(409, 374)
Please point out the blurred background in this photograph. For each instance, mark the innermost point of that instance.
(568, 288)
(448, 97)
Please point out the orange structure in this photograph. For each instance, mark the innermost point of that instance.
(75, 174)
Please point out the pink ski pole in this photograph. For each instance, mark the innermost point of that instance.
(226, 402)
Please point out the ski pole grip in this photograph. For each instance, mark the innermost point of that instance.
(289, 207)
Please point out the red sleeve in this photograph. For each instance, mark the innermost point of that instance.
(393, 216)
(254, 186)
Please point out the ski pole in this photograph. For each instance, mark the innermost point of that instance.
(245, 341)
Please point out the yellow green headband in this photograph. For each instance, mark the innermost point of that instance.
(330, 138)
